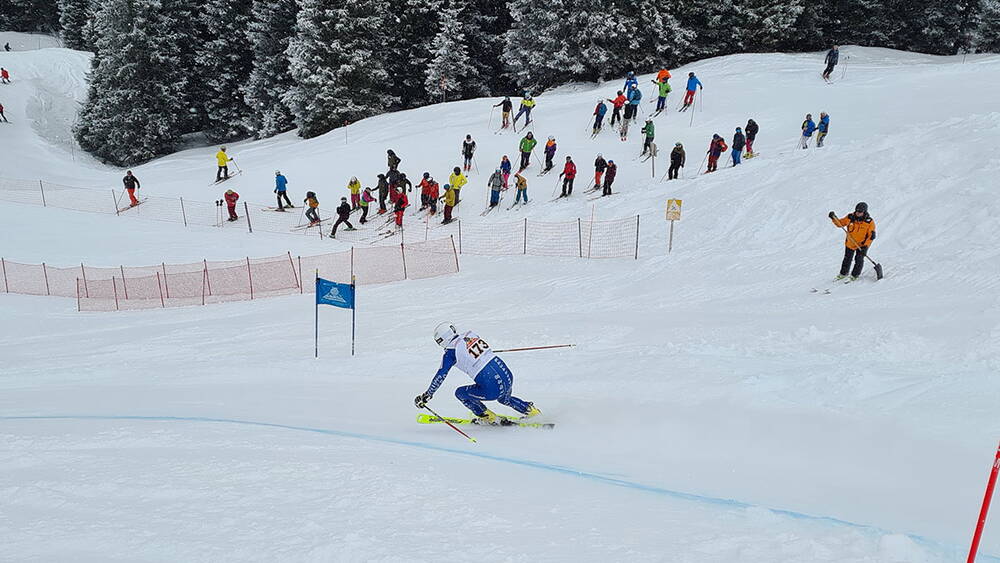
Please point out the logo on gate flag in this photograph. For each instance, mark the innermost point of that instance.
(333, 293)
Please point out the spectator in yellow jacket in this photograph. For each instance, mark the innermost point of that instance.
(355, 187)
(223, 160)
(457, 180)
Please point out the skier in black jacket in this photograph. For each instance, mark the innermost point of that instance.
(831, 60)
(677, 159)
(343, 213)
(739, 141)
(751, 131)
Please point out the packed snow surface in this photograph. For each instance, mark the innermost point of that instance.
(713, 409)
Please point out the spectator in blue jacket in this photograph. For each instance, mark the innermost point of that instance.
(823, 127)
(630, 81)
(808, 126)
(280, 185)
(693, 83)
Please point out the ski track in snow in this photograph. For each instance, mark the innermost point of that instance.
(712, 369)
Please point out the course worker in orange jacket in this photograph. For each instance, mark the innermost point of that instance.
(860, 235)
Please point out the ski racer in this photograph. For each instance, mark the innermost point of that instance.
(492, 379)
(860, 235)
(527, 104)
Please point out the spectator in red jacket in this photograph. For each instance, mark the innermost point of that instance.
(231, 199)
(618, 103)
(715, 149)
(4, 76)
(433, 193)
(568, 174)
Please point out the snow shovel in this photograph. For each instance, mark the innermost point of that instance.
(878, 267)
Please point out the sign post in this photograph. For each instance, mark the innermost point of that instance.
(673, 214)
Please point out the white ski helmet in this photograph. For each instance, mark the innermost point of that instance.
(277, 172)
(444, 334)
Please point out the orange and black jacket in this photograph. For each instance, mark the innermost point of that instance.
(860, 230)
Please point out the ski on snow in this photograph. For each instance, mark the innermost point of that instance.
(127, 207)
(508, 421)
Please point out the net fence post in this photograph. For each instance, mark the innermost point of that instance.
(294, 275)
(402, 253)
(301, 288)
(246, 210)
(250, 275)
(86, 290)
(160, 288)
(455, 253)
(525, 236)
(46, 274)
(77, 295)
(183, 213)
(124, 285)
(208, 280)
(41, 188)
(6, 286)
(114, 286)
(636, 237)
(166, 286)
(459, 236)
(579, 235)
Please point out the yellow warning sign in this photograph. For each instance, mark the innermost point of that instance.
(673, 210)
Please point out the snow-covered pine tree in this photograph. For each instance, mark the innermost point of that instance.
(412, 26)
(857, 22)
(223, 63)
(487, 21)
(943, 28)
(132, 107)
(656, 38)
(188, 34)
(711, 21)
(451, 74)
(29, 15)
(544, 45)
(986, 38)
(272, 28)
(762, 25)
(73, 18)
(338, 65)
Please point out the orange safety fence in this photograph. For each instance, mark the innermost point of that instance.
(203, 283)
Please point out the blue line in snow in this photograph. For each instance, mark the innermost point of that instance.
(729, 503)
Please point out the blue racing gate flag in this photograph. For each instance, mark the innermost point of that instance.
(338, 295)
(333, 293)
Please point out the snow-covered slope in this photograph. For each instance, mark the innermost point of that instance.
(713, 410)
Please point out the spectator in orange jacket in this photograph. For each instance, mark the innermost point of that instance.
(860, 235)
(618, 103)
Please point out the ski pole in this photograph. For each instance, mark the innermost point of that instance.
(118, 201)
(233, 160)
(534, 348)
(703, 163)
(446, 421)
(876, 265)
(490, 122)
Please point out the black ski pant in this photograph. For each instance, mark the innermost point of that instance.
(312, 215)
(525, 159)
(858, 256)
(381, 200)
(829, 70)
(675, 168)
(223, 170)
(337, 224)
(645, 144)
(548, 161)
(364, 215)
(284, 195)
(616, 116)
(4, 117)
(567, 189)
(607, 187)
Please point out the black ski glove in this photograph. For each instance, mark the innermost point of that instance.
(422, 399)
(873, 236)
(833, 215)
